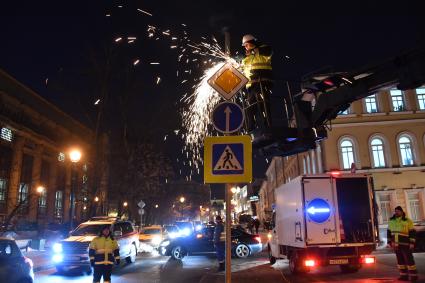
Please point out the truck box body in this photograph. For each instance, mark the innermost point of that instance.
(325, 215)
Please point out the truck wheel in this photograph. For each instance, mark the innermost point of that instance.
(349, 268)
(133, 254)
(272, 259)
(295, 265)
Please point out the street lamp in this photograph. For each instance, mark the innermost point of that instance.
(40, 189)
(96, 199)
(156, 206)
(125, 204)
(182, 199)
(74, 156)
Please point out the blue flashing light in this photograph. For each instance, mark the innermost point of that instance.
(57, 258)
(318, 210)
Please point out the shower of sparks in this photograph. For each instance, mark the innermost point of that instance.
(158, 80)
(97, 102)
(136, 62)
(118, 39)
(154, 63)
(144, 12)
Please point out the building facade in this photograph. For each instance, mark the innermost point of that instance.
(37, 178)
(382, 135)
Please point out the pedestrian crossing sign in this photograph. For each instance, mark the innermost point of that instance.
(228, 159)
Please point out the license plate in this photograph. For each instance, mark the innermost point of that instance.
(339, 261)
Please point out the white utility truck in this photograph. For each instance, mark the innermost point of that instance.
(326, 219)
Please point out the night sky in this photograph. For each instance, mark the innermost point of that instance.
(54, 39)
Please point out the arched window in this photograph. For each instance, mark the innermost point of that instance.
(347, 153)
(406, 152)
(377, 146)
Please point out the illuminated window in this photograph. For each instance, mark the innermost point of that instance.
(6, 134)
(397, 100)
(61, 157)
(421, 97)
(42, 200)
(23, 193)
(385, 207)
(347, 153)
(58, 204)
(378, 152)
(406, 153)
(370, 103)
(3, 190)
(414, 206)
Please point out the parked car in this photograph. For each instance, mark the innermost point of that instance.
(420, 236)
(14, 267)
(73, 251)
(243, 244)
(150, 237)
(186, 227)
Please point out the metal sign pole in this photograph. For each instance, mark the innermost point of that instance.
(228, 277)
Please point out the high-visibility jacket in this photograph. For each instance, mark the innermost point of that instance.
(104, 250)
(401, 231)
(258, 65)
(219, 233)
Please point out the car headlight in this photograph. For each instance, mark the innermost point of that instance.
(186, 231)
(165, 243)
(58, 258)
(57, 248)
(156, 240)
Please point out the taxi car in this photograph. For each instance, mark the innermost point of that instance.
(150, 237)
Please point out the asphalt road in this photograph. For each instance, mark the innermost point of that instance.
(158, 269)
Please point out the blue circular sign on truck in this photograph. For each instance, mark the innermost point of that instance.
(318, 210)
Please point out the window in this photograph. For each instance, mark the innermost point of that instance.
(415, 206)
(421, 98)
(23, 193)
(58, 204)
(406, 154)
(385, 207)
(397, 100)
(378, 152)
(370, 103)
(61, 157)
(42, 200)
(347, 153)
(6, 134)
(3, 189)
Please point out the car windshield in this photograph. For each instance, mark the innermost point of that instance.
(151, 231)
(171, 229)
(89, 229)
(8, 249)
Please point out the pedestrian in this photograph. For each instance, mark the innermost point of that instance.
(219, 242)
(257, 225)
(401, 237)
(257, 68)
(103, 252)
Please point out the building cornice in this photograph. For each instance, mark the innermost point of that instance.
(377, 123)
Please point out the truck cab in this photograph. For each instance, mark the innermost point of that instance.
(324, 219)
(73, 251)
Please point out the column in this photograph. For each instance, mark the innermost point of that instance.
(35, 183)
(15, 173)
(51, 191)
(67, 193)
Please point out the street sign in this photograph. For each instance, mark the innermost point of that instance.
(228, 159)
(141, 211)
(227, 81)
(227, 117)
(141, 204)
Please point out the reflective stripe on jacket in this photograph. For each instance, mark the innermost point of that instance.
(258, 66)
(219, 233)
(401, 231)
(104, 250)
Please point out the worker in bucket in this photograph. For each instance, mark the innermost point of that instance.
(257, 67)
(401, 237)
(219, 242)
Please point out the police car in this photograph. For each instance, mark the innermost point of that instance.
(73, 251)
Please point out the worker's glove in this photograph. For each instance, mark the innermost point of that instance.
(92, 263)
(117, 262)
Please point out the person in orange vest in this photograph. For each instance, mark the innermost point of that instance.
(103, 252)
(401, 237)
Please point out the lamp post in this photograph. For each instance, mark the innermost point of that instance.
(75, 156)
(182, 200)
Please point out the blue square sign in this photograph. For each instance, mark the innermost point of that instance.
(227, 159)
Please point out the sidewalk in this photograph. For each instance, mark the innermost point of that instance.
(40, 259)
